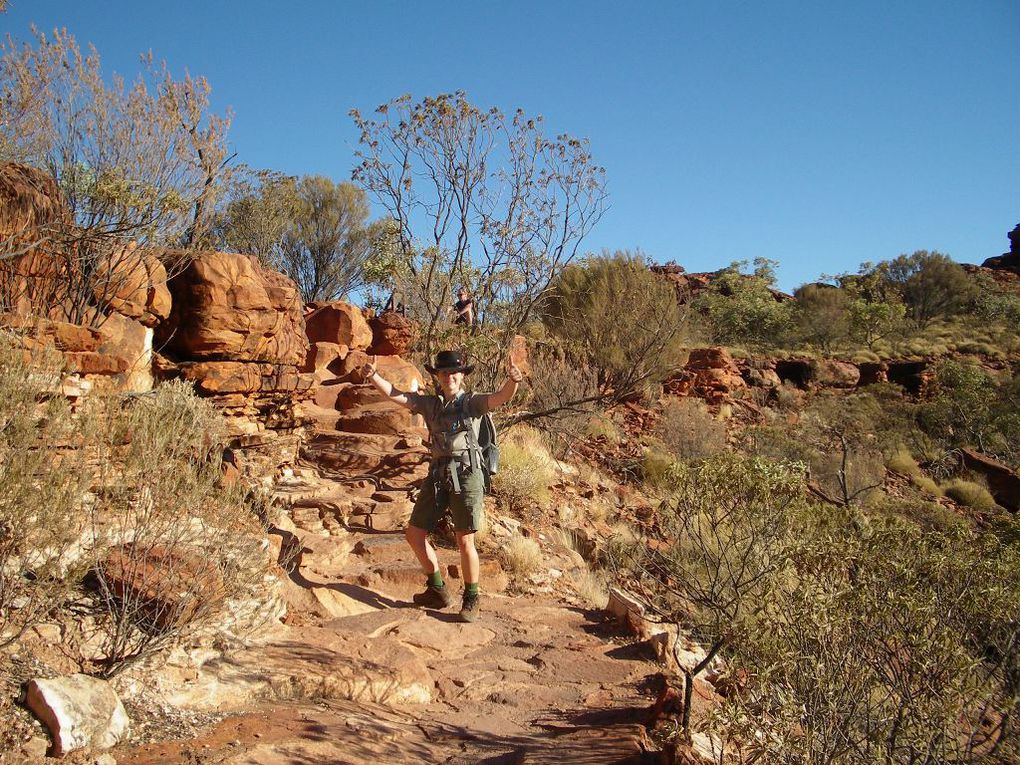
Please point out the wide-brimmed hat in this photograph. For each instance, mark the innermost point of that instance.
(450, 361)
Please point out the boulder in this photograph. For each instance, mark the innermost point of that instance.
(229, 307)
(38, 332)
(92, 363)
(340, 323)
(79, 711)
(169, 587)
(31, 208)
(131, 340)
(220, 377)
(831, 373)
(392, 334)
(132, 282)
(322, 356)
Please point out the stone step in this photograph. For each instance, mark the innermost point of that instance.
(363, 454)
(382, 418)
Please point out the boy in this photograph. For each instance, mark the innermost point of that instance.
(455, 478)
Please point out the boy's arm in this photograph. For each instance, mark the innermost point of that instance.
(384, 386)
(504, 394)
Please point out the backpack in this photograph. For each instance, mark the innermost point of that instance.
(481, 433)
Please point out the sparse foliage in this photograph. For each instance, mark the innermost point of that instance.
(42, 482)
(900, 649)
(719, 550)
(481, 200)
(314, 230)
(145, 161)
(822, 315)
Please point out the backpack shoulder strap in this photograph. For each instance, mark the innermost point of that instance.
(474, 452)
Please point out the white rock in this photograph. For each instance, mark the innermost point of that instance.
(622, 605)
(79, 711)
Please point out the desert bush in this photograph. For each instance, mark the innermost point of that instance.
(720, 547)
(969, 494)
(688, 430)
(926, 484)
(903, 462)
(821, 316)
(931, 285)
(173, 545)
(655, 467)
(520, 556)
(591, 587)
(526, 470)
(619, 319)
(740, 309)
(43, 480)
(967, 406)
(883, 653)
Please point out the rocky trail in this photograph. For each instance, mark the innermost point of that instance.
(358, 674)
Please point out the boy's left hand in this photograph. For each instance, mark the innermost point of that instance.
(514, 371)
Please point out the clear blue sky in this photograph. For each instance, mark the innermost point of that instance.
(817, 134)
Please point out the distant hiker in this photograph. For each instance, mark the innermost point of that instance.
(395, 303)
(464, 308)
(455, 479)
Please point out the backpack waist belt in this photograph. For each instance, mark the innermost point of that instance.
(443, 467)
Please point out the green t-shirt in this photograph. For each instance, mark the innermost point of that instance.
(449, 439)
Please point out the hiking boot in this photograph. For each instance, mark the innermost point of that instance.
(433, 597)
(469, 612)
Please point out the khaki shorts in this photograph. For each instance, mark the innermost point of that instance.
(466, 507)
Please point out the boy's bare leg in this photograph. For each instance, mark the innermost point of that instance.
(423, 549)
(468, 556)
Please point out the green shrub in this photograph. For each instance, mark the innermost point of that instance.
(614, 315)
(688, 430)
(926, 484)
(969, 494)
(520, 556)
(902, 462)
(525, 470)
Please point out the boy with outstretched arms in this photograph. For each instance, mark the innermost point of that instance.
(455, 479)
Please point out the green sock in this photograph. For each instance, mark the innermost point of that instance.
(471, 588)
(435, 580)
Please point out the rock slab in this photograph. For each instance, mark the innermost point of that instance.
(79, 711)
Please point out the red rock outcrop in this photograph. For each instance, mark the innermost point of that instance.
(710, 373)
(132, 282)
(228, 307)
(340, 323)
(392, 334)
(1009, 261)
(32, 212)
(1003, 482)
(169, 587)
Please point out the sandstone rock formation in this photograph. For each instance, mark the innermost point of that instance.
(133, 282)
(1009, 261)
(392, 334)
(32, 212)
(79, 711)
(1003, 483)
(710, 373)
(237, 331)
(228, 307)
(340, 323)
